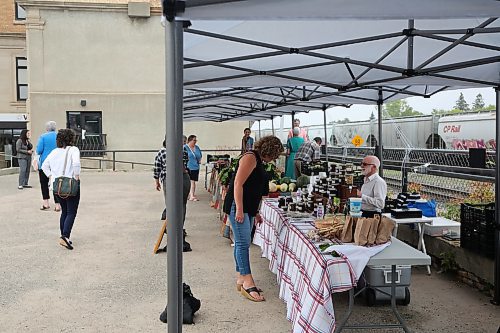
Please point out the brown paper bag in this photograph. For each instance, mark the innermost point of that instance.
(361, 232)
(372, 234)
(385, 228)
(347, 231)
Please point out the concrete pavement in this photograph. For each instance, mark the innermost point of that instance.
(111, 281)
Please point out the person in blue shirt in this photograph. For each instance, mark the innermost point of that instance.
(247, 141)
(46, 144)
(194, 155)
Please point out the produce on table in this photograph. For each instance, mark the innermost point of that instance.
(273, 187)
(302, 181)
(292, 187)
(283, 187)
(285, 180)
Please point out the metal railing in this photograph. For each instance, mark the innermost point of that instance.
(114, 161)
(93, 144)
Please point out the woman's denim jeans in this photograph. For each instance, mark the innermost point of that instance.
(242, 238)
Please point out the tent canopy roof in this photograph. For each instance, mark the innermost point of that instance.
(280, 61)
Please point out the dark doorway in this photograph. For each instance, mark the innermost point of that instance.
(88, 128)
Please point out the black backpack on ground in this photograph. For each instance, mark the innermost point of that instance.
(190, 305)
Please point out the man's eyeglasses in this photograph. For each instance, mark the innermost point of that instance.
(365, 164)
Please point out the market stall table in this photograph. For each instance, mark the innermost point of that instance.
(306, 276)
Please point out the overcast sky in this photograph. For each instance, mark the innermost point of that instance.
(444, 100)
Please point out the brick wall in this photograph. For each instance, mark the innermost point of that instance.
(7, 17)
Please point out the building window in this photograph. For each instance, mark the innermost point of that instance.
(22, 78)
(20, 12)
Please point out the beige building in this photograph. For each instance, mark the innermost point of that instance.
(98, 67)
(13, 73)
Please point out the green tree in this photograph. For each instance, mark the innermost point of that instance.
(478, 104)
(490, 107)
(443, 112)
(461, 103)
(345, 121)
(400, 108)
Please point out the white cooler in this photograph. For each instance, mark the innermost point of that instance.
(441, 226)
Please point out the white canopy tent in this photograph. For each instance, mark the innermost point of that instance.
(256, 59)
(247, 68)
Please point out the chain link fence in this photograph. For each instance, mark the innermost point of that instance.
(448, 190)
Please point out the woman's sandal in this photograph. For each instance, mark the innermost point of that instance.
(44, 208)
(246, 293)
(239, 286)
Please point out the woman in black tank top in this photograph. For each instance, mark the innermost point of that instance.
(242, 201)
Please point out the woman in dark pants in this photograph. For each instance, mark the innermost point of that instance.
(46, 144)
(242, 201)
(24, 150)
(65, 161)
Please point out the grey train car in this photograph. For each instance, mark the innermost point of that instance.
(415, 132)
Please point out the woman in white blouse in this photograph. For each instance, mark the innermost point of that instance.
(53, 167)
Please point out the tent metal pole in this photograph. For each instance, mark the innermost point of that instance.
(326, 134)
(173, 73)
(411, 26)
(272, 123)
(496, 297)
(379, 148)
(293, 118)
(260, 133)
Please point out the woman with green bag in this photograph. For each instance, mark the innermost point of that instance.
(64, 162)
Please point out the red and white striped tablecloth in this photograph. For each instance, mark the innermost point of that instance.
(306, 277)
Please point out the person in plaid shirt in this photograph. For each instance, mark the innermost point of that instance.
(160, 173)
(308, 152)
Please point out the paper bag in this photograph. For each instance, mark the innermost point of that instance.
(347, 231)
(361, 232)
(372, 234)
(385, 228)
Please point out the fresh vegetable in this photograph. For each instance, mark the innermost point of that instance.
(273, 187)
(292, 187)
(303, 181)
(285, 180)
(283, 187)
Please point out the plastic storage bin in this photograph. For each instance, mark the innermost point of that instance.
(378, 284)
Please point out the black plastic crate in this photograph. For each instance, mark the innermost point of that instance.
(477, 228)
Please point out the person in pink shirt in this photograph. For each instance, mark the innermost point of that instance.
(302, 133)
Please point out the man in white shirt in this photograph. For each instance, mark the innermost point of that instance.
(374, 189)
(302, 133)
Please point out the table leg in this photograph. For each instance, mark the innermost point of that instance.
(421, 243)
(393, 299)
(342, 323)
(395, 231)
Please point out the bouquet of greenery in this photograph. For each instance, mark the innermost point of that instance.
(272, 172)
(226, 173)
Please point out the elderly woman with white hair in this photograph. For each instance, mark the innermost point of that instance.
(46, 144)
(292, 146)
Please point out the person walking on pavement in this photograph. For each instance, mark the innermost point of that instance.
(65, 161)
(24, 150)
(46, 144)
(159, 175)
(194, 155)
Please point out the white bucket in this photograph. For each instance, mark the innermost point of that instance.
(355, 206)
